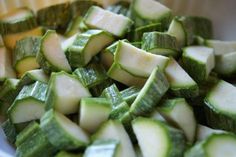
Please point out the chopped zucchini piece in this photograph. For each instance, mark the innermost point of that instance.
(118, 25)
(55, 16)
(11, 39)
(221, 47)
(181, 84)
(74, 26)
(62, 132)
(152, 92)
(198, 62)
(93, 112)
(220, 106)
(142, 63)
(24, 58)
(8, 91)
(86, 46)
(179, 112)
(64, 93)
(168, 141)
(17, 20)
(51, 56)
(6, 70)
(129, 94)
(9, 130)
(160, 43)
(203, 132)
(29, 104)
(144, 12)
(80, 8)
(217, 145)
(114, 130)
(117, 73)
(121, 7)
(102, 148)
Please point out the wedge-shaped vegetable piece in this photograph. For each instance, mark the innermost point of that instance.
(129, 94)
(62, 132)
(151, 93)
(168, 141)
(119, 74)
(160, 43)
(51, 56)
(29, 104)
(35, 144)
(33, 76)
(216, 145)
(204, 132)
(91, 75)
(73, 26)
(102, 148)
(11, 39)
(9, 130)
(64, 93)
(225, 64)
(8, 91)
(17, 20)
(198, 62)
(142, 63)
(179, 112)
(93, 112)
(6, 69)
(80, 8)
(114, 130)
(55, 16)
(121, 7)
(27, 132)
(107, 55)
(25, 52)
(137, 34)
(118, 25)
(144, 12)
(181, 84)
(221, 47)
(86, 46)
(220, 106)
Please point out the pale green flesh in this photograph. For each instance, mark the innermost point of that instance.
(108, 21)
(150, 9)
(177, 76)
(39, 74)
(69, 91)
(221, 47)
(71, 128)
(142, 63)
(225, 64)
(27, 110)
(222, 97)
(26, 64)
(149, 135)
(203, 132)
(176, 30)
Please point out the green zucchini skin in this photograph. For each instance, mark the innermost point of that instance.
(80, 8)
(56, 134)
(9, 131)
(55, 17)
(20, 25)
(121, 7)
(153, 90)
(8, 91)
(130, 94)
(160, 43)
(105, 148)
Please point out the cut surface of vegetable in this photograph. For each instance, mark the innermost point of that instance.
(114, 130)
(6, 69)
(93, 112)
(25, 54)
(99, 18)
(181, 84)
(17, 20)
(180, 112)
(142, 63)
(102, 148)
(62, 132)
(220, 106)
(221, 47)
(198, 61)
(152, 92)
(217, 145)
(203, 132)
(167, 141)
(29, 104)
(86, 46)
(51, 56)
(64, 93)
(149, 11)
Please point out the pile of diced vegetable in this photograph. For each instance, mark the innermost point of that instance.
(128, 80)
